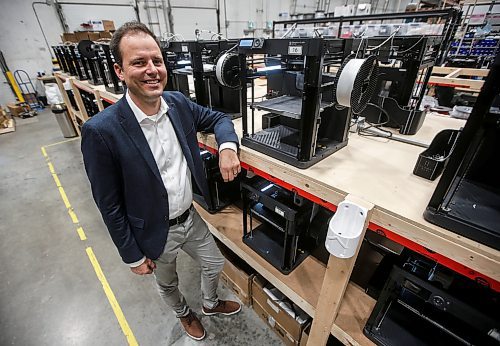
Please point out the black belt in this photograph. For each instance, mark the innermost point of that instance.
(180, 219)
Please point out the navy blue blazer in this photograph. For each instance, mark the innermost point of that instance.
(124, 177)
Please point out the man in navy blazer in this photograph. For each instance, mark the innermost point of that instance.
(140, 155)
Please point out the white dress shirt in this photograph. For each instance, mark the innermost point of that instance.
(169, 158)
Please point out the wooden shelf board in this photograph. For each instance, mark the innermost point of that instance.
(354, 311)
(83, 85)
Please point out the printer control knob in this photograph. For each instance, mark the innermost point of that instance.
(440, 302)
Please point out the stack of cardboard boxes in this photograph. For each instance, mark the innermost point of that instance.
(286, 319)
(97, 29)
(6, 123)
(17, 109)
(283, 317)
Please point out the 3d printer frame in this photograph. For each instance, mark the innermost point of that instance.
(65, 63)
(305, 134)
(71, 61)
(79, 62)
(106, 62)
(283, 216)
(91, 54)
(405, 68)
(176, 57)
(208, 92)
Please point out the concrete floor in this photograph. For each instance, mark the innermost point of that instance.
(49, 292)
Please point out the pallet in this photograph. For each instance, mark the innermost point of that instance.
(11, 127)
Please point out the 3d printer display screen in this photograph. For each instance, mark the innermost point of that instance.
(246, 43)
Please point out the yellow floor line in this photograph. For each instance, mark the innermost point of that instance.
(93, 260)
(56, 179)
(81, 233)
(64, 197)
(61, 142)
(73, 216)
(111, 298)
(51, 168)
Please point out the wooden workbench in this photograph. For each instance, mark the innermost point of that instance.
(380, 171)
(376, 170)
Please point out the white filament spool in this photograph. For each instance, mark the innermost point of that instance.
(218, 68)
(346, 81)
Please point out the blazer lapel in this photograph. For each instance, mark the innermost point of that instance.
(133, 129)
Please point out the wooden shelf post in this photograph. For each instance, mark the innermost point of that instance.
(334, 285)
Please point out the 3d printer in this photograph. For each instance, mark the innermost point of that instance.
(106, 62)
(405, 68)
(71, 60)
(203, 56)
(283, 216)
(467, 197)
(221, 193)
(424, 303)
(62, 56)
(308, 108)
(178, 64)
(91, 55)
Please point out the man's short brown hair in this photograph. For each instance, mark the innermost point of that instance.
(126, 29)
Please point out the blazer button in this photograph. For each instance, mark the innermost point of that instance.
(166, 218)
(164, 195)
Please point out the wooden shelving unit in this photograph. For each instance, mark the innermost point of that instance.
(303, 285)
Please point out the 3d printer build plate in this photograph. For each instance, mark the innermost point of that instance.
(288, 106)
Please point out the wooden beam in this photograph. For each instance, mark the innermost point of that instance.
(64, 93)
(98, 99)
(79, 100)
(337, 275)
(454, 73)
(472, 84)
(463, 71)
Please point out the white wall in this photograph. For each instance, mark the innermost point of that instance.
(21, 39)
(240, 12)
(77, 14)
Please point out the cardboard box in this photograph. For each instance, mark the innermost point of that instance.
(16, 109)
(81, 35)
(237, 281)
(6, 123)
(102, 25)
(237, 275)
(275, 311)
(68, 37)
(4, 118)
(94, 36)
(305, 335)
(105, 34)
(109, 25)
(275, 326)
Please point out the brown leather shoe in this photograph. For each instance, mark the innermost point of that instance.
(224, 307)
(193, 326)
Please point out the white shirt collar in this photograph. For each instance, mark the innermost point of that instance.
(140, 115)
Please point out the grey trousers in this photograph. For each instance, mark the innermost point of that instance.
(195, 239)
